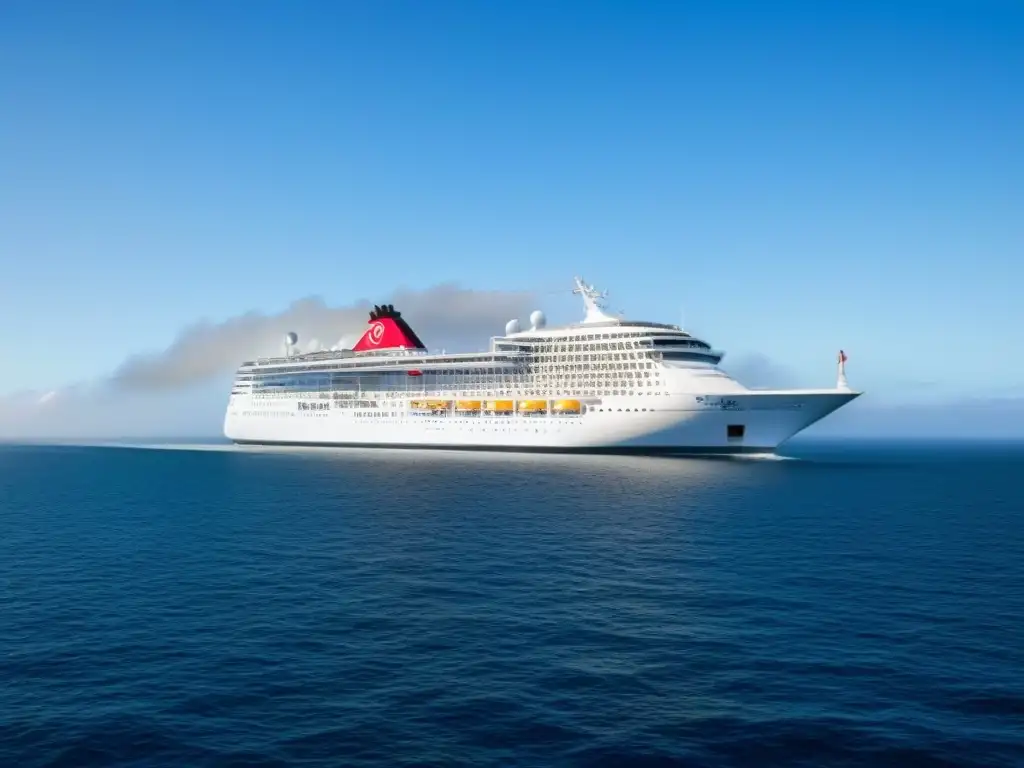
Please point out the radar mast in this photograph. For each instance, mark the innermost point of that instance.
(593, 302)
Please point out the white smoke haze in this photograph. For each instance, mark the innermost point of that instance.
(445, 315)
(758, 371)
(182, 390)
(97, 411)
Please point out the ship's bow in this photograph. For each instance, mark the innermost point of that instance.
(771, 418)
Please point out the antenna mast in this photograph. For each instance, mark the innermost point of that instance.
(593, 301)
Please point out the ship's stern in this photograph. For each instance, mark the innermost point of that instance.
(232, 415)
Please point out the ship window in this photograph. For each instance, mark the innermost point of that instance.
(736, 430)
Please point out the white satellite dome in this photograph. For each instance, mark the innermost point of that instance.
(537, 319)
(512, 326)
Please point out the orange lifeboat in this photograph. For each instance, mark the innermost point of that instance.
(429, 405)
(500, 406)
(467, 405)
(533, 406)
(567, 406)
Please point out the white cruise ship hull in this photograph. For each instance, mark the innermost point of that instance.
(606, 384)
(748, 422)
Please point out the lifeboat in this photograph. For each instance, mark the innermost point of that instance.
(467, 405)
(567, 406)
(500, 406)
(533, 406)
(429, 405)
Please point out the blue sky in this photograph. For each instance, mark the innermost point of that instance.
(798, 176)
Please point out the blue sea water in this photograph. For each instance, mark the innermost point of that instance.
(854, 605)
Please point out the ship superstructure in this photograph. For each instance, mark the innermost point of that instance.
(606, 384)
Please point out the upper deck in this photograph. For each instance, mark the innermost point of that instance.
(390, 344)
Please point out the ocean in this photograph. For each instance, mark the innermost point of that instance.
(850, 605)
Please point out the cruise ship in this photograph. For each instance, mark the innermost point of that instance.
(604, 385)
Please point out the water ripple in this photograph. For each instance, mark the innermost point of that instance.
(218, 608)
